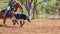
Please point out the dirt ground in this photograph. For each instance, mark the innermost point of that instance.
(37, 26)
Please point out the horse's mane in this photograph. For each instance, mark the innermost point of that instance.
(2, 10)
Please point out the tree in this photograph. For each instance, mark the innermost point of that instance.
(27, 5)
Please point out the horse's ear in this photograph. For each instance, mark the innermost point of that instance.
(20, 5)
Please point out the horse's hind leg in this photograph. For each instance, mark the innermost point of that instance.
(13, 22)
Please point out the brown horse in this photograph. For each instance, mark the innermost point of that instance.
(9, 15)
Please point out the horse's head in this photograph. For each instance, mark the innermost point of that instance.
(16, 6)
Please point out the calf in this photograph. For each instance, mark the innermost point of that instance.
(21, 17)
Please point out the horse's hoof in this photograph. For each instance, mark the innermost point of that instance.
(13, 23)
(18, 24)
(21, 25)
(5, 25)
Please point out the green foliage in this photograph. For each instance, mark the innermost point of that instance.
(49, 4)
(3, 5)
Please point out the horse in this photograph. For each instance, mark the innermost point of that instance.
(9, 14)
(22, 17)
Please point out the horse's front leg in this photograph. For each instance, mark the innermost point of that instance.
(4, 21)
(14, 22)
(22, 22)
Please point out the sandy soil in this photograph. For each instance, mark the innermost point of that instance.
(34, 27)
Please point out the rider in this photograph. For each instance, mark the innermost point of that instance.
(10, 6)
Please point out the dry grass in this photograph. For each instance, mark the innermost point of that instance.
(34, 27)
